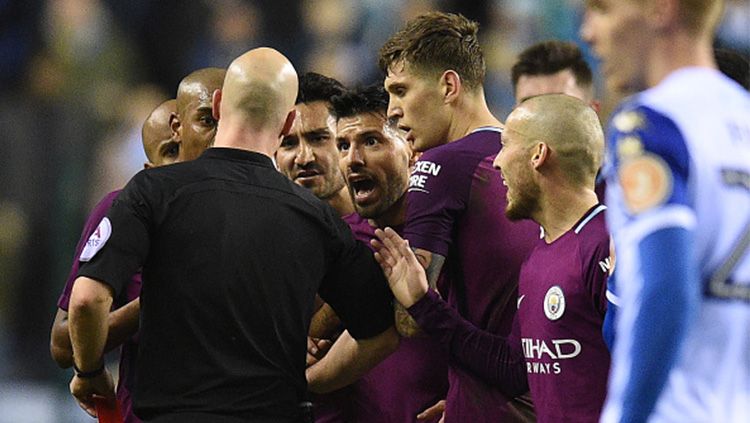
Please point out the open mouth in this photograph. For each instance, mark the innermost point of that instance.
(362, 187)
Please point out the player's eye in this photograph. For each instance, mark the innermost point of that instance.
(171, 150)
(288, 142)
(343, 145)
(371, 141)
(208, 120)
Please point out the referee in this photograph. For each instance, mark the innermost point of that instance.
(233, 254)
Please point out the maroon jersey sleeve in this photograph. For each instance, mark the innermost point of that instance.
(438, 190)
(495, 359)
(92, 222)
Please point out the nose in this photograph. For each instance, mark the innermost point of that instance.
(496, 162)
(304, 154)
(353, 158)
(395, 112)
(585, 30)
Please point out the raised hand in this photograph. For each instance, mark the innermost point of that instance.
(405, 274)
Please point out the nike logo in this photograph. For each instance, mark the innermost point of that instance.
(518, 304)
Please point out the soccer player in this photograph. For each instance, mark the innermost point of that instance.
(679, 206)
(160, 149)
(552, 149)
(308, 155)
(376, 161)
(434, 73)
(552, 67)
(193, 124)
(224, 284)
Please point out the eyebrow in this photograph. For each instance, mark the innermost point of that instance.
(394, 85)
(317, 131)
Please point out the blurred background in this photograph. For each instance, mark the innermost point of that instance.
(78, 77)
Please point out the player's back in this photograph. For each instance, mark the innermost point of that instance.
(711, 379)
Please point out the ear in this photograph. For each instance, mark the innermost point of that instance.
(147, 165)
(216, 104)
(596, 105)
(662, 13)
(451, 84)
(540, 155)
(174, 125)
(288, 123)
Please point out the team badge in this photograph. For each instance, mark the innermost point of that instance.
(97, 240)
(629, 146)
(554, 303)
(628, 121)
(646, 182)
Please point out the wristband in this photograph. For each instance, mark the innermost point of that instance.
(88, 375)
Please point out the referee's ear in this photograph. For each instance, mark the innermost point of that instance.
(288, 123)
(216, 103)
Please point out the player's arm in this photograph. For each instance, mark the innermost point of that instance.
(494, 359)
(122, 323)
(660, 227)
(325, 324)
(349, 359)
(669, 303)
(433, 265)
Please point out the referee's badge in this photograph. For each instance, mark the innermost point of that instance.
(97, 240)
(554, 303)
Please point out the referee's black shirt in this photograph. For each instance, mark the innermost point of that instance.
(233, 254)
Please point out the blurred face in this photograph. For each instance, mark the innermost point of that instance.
(417, 102)
(196, 126)
(563, 82)
(618, 33)
(375, 160)
(308, 155)
(164, 150)
(514, 164)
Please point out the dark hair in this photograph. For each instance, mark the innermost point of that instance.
(733, 65)
(368, 99)
(550, 57)
(316, 87)
(435, 42)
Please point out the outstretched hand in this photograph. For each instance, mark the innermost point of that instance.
(405, 274)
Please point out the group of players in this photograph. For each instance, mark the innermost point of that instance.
(497, 322)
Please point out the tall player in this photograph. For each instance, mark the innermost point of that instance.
(375, 161)
(434, 73)
(552, 149)
(679, 197)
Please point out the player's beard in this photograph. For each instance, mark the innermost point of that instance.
(524, 203)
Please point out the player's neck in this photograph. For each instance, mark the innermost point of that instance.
(471, 113)
(560, 209)
(341, 202)
(679, 51)
(394, 216)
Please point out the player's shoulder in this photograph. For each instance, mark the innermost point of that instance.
(466, 150)
(591, 230)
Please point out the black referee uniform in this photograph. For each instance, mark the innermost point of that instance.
(233, 254)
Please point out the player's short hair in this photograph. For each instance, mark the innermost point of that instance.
(316, 87)
(368, 99)
(701, 15)
(435, 42)
(550, 57)
(733, 65)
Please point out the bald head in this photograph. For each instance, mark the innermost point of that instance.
(569, 127)
(259, 90)
(193, 125)
(199, 86)
(158, 143)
